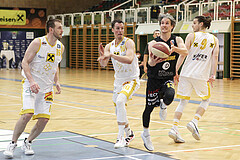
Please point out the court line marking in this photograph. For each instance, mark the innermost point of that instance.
(127, 156)
(137, 119)
(107, 113)
(138, 95)
(231, 146)
(10, 105)
(56, 103)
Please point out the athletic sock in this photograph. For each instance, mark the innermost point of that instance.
(196, 118)
(175, 124)
(127, 131)
(121, 131)
(146, 132)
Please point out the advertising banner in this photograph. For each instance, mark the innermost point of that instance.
(12, 17)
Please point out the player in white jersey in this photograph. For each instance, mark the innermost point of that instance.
(40, 71)
(199, 69)
(122, 53)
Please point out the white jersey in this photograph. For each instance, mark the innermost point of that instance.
(123, 70)
(45, 64)
(198, 62)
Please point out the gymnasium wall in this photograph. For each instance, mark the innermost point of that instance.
(52, 6)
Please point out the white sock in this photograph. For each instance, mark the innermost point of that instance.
(175, 124)
(196, 118)
(127, 131)
(121, 131)
(146, 132)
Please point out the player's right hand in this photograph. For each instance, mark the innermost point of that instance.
(34, 87)
(101, 49)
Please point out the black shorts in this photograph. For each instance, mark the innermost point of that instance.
(159, 89)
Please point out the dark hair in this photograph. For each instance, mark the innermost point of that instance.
(157, 30)
(170, 17)
(116, 21)
(206, 21)
(51, 23)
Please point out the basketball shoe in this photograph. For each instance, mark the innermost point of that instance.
(27, 147)
(175, 135)
(120, 143)
(192, 127)
(147, 142)
(129, 137)
(10, 149)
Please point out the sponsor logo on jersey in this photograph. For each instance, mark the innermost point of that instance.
(126, 83)
(200, 57)
(166, 65)
(117, 53)
(44, 43)
(171, 58)
(48, 96)
(58, 46)
(50, 57)
(39, 56)
(211, 45)
(195, 44)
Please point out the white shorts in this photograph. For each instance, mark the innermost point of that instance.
(186, 85)
(39, 104)
(126, 87)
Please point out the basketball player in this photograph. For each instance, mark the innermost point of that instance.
(40, 71)
(199, 69)
(160, 88)
(122, 53)
(156, 34)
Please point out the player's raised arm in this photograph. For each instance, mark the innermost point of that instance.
(181, 49)
(130, 47)
(104, 55)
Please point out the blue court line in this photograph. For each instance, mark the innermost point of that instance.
(137, 95)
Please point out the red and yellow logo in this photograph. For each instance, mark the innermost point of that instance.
(49, 96)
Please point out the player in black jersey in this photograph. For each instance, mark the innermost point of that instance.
(160, 88)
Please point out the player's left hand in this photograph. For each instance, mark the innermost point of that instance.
(211, 80)
(153, 60)
(176, 79)
(58, 87)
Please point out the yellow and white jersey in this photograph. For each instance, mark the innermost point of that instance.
(198, 62)
(123, 70)
(45, 64)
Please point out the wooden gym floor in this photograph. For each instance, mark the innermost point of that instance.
(85, 107)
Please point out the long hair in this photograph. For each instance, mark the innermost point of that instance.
(206, 21)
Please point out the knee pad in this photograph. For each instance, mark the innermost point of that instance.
(120, 108)
(181, 105)
(204, 104)
(169, 96)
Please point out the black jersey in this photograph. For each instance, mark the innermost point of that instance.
(165, 69)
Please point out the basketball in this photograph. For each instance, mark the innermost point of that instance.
(161, 50)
